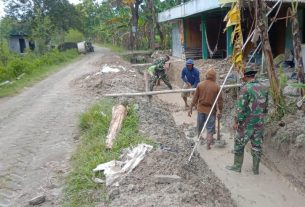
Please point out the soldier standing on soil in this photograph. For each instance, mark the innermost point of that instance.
(249, 122)
(159, 73)
(190, 77)
(204, 97)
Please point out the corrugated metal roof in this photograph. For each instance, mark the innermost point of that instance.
(197, 6)
(287, 1)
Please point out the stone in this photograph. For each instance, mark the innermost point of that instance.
(290, 91)
(37, 200)
(166, 179)
(114, 193)
(300, 140)
(131, 187)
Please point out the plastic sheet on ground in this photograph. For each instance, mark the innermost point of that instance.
(114, 170)
(112, 68)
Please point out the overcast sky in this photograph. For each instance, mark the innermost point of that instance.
(1, 8)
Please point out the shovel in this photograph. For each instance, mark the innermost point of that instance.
(218, 129)
(219, 142)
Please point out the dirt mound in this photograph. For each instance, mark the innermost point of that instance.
(196, 186)
(285, 148)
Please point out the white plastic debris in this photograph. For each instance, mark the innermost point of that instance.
(114, 170)
(98, 181)
(5, 83)
(112, 68)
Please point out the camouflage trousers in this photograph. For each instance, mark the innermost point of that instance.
(252, 133)
(159, 75)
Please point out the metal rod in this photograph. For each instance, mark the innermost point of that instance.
(211, 111)
(258, 47)
(274, 7)
(206, 122)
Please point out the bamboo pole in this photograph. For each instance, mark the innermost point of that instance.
(161, 92)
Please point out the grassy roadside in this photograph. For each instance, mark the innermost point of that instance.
(80, 189)
(113, 48)
(37, 74)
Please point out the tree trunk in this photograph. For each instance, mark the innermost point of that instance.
(274, 83)
(160, 34)
(134, 23)
(297, 47)
(150, 5)
(133, 26)
(118, 114)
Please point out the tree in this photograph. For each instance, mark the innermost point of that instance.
(134, 8)
(292, 12)
(152, 17)
(261, 26)
(45, 17)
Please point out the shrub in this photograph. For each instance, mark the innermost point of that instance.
(17, 64)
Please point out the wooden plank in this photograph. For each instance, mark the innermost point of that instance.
(161, 92)
(119, 112)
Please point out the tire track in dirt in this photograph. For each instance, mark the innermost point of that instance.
(36, 135)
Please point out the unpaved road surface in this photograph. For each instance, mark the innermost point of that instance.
(37, 128)
(267, 189)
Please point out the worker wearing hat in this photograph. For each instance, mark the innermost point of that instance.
(190, 77)
(249, 121)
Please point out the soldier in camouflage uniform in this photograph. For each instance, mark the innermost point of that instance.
(159, 73)
(249, 122)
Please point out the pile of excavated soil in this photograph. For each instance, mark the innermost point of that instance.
(196, 184)
(285, 148)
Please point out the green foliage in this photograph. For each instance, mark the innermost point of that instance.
(74, 36)
(81, 190)
(44, 21)
(298, 85)
(48, 21)
(31, 66)
(283, 78)
(113, 48)
(18, 64)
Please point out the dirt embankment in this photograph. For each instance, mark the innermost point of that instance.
(197, 186)
(285, 148)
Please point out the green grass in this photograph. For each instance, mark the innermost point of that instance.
(113, 48)
(38, 69)
(80, 189)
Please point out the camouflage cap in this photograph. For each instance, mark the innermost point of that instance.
(250, 71)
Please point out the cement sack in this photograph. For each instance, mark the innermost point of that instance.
(81, 47)
(114, 170)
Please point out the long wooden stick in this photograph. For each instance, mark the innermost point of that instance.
(161, 92)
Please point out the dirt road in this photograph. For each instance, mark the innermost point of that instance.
(37, 128)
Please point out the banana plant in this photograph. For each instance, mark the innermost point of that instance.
(233, 18)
